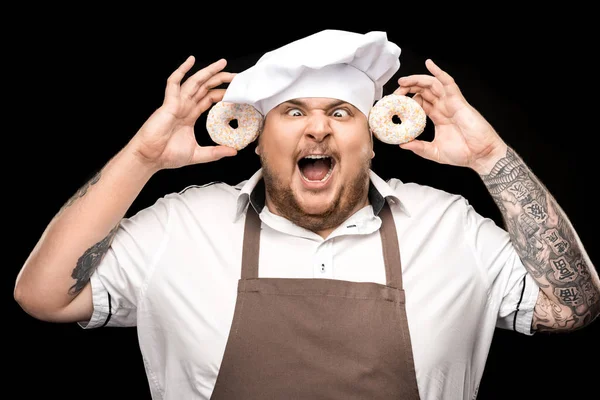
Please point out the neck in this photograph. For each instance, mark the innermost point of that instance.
(324, 233)
(322, 226)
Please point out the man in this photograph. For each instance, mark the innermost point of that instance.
(289, 286)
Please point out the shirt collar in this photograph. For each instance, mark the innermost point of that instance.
(253, 191)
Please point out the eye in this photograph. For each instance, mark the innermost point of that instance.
(294, 112)
(340, 113)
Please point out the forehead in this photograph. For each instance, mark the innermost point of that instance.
(315, 102)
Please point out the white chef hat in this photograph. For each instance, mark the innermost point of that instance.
(336, 64)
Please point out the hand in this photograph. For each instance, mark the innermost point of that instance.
(167, 139)
(462, 136)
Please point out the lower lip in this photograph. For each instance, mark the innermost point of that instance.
(316, 185)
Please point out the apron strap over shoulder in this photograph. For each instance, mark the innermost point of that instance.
(251, 247)
(391, 249)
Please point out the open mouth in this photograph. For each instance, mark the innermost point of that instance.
(316, 168)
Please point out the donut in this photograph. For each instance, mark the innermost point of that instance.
(218, 124)
(411, 114)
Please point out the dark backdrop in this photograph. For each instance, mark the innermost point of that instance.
(81, 83)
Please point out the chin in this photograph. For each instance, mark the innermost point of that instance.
(317, 203)
(316, 207)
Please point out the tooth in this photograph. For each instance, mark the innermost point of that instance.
(326, 176)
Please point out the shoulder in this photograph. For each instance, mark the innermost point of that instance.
(418, 198)
(213, 193)
(211, 190)
(214, 198)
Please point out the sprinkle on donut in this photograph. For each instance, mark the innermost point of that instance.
(411, 114)
(219, 119)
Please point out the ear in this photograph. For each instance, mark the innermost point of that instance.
(372, 145)
(258, 148)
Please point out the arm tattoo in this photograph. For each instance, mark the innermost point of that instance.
(87, 263)
(547, 244)
(82, 191)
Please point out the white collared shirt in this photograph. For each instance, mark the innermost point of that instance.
(173, 270)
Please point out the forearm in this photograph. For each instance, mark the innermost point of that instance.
(546, 243)
(77, 238)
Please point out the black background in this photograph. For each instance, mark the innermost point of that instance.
(80, 83)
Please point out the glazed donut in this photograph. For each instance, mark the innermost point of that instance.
(249, 123)
(411, 114)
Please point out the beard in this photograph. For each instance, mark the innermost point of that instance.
(351, 193)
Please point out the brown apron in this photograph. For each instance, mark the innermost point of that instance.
(318, 338)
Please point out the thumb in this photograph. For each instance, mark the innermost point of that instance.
(421, 148)
(212, 153)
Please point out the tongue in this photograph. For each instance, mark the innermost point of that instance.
(315, 171)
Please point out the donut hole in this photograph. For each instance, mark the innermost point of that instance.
(233, 123)
(396, 119)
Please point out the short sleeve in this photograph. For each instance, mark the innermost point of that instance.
(119, 280)
(512, 292)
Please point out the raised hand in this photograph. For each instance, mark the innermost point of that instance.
(462, 136)
(167, 139)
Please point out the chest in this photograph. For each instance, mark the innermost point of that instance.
(200, 286)
(190, 301)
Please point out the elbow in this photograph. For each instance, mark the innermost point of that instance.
(29, 291)
(591, 294)
(588, 314)
(30, 303)
(594, 310)
(36, 303)
(26, 304)
(45, 304)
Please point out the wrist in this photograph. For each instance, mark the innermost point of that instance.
(136, 163)
(484, 165)
(145, 163)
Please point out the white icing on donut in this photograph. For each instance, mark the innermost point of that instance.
(249, 122)
(411, 114)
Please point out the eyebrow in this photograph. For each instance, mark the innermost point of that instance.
(301, 103)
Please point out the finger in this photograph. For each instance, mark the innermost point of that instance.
(421, 148)
(175, 78)
(439, 73)
(213, 96)
(418, 97)
(199, 78)
(212, 153)
(213, 82)
(426, 105)
(403, 90)
(422, 81)
(410, 80)
(423, 93)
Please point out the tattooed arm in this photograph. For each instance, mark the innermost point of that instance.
(54, 282)
(548, 246)
(540, 231)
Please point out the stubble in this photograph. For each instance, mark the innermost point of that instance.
(351, 194)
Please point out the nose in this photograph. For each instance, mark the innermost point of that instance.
(318, 127)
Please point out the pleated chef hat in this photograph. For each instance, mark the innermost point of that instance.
(348, 66)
